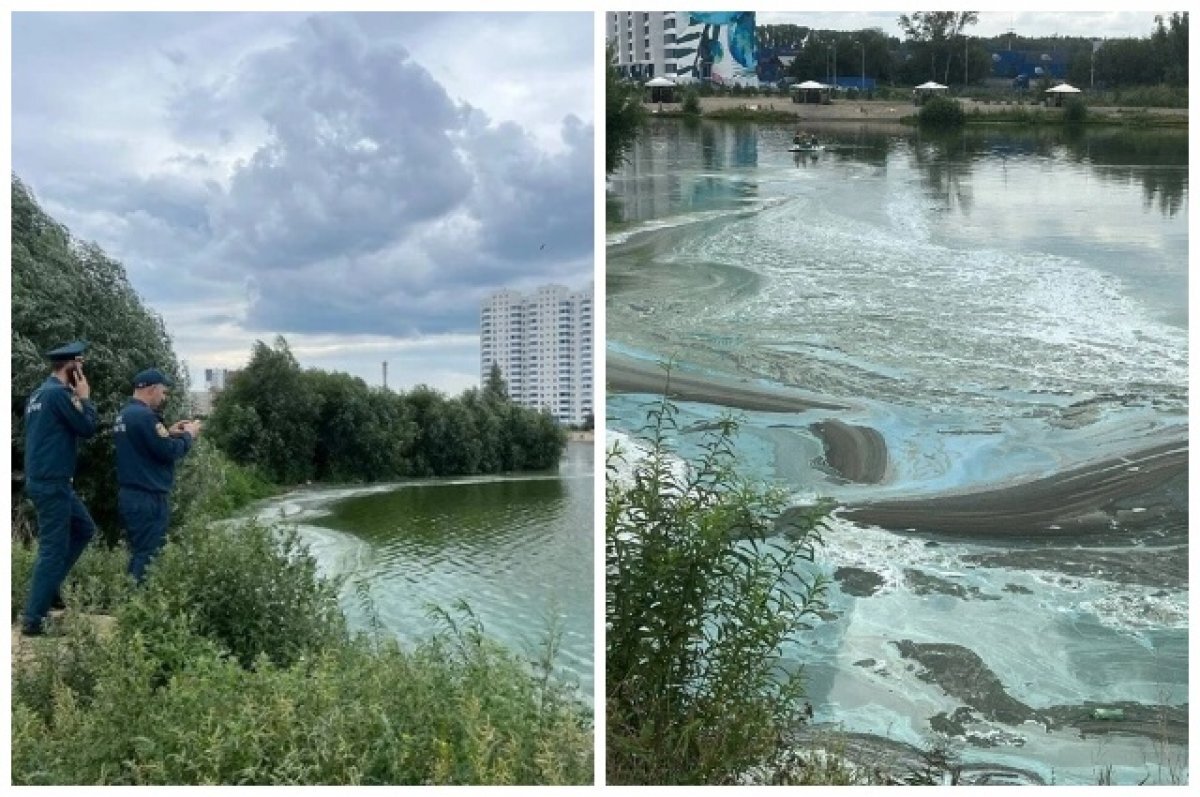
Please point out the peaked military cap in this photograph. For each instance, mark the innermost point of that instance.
(151, 376)
(68, 352)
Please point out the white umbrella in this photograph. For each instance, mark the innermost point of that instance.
(931, 86)
(1063, 88)
(660, 83)
(810, 84)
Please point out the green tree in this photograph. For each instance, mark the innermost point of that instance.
(705, 583)
(281, 438)
(495, 389)
(935, 33)
(623, 115)
(63, 289)
(361, 432)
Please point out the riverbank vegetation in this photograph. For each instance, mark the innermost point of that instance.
(233, 665)
(705, 584)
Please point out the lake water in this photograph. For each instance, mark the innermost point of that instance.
(518, 549)
(999, 306)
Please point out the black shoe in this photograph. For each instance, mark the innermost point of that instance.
(32, 630)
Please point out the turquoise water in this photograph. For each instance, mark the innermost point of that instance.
(999, 305)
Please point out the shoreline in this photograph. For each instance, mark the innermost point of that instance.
(900, 110)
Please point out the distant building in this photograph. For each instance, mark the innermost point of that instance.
(1023, 66)
(215, 380)
(682, 47)
(542, 342)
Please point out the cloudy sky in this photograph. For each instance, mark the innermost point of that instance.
(356, 183)
(1099, 24)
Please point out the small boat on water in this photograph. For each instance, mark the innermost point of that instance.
(807, 148)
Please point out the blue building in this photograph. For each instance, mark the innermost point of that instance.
(1022, 66)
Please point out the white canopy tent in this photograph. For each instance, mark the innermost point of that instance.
(1060, 91)
(810, 91)
(661, 90)
(925, 91)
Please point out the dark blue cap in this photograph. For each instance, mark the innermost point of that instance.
(68, 352)
(151, 376)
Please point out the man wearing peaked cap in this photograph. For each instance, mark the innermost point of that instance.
(57, 415)
(146, 455)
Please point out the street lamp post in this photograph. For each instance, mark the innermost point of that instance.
(835, 64)
(862, 80)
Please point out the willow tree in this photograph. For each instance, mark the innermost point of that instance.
(64, 289)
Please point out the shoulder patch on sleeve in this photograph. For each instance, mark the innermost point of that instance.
(162, 430)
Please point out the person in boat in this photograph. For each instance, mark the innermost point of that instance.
(798, 139)
(812, 142)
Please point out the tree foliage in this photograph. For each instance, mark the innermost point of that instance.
(64, 289)
(295, 425)
(623, 116)
(781, 37)
(705, 584)
(937, 36)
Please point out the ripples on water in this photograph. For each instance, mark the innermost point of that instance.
(519, 550)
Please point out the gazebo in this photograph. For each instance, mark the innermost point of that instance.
(661, 90)
(925, 91)
(810, 91)
(1060, 91)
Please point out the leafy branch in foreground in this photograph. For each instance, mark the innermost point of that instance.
(706, 583)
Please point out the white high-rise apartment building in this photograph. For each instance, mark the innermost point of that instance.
(643, 42)
(650, 44)
(542, 342)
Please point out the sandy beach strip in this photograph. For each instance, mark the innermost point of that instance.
(627, 375)
(1076, 501)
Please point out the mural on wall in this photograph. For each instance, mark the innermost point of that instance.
(719, 46)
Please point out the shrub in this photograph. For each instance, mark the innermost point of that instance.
(691, 102)
(1075, 111)
(702, 592)
(941, 112)
(454, 710)
(209, 484)
(252, 589)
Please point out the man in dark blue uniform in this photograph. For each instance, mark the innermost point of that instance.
(146, 455)
(57, 415)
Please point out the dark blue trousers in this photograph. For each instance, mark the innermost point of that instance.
(64, 530)
(145, 517)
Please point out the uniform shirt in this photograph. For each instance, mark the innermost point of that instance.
(55, 419)
(146, 451)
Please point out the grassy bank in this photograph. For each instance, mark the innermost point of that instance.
(234, 665)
